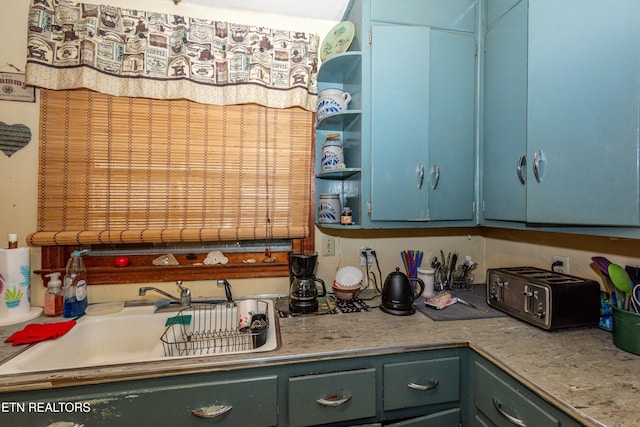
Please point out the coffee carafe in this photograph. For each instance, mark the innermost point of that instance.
(304, 288)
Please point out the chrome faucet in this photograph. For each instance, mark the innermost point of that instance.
(185, 294)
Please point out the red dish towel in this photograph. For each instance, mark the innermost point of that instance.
(36, 332)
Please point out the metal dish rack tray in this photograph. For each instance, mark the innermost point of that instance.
(205, 329)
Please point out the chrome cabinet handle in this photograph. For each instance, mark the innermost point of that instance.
(212, 411)
(335, 400)
(522, 162)
(539, 161)
(421, 175)
(435, 176)
(420, 387)
(511, 418)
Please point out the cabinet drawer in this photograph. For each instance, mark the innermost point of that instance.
(497, 398)
(311, 397)
(253, 402)
(410, 384)
(448, 418)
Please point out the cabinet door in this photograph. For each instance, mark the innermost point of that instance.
(504, 405)
(399, 122)
(451, 126)
(505, 113)
(583, 111)
(422, 124)
(457, 15)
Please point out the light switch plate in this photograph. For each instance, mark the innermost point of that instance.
(328, 245)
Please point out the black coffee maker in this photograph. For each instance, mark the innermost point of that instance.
(303, 291)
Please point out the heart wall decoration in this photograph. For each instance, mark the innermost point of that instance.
(13, 137)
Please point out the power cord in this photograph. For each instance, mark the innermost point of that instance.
(370, 274)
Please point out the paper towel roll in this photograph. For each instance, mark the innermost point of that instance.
(15, 283)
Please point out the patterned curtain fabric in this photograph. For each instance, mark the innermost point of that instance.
(124, 52)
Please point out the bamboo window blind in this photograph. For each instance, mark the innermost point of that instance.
(137, 170)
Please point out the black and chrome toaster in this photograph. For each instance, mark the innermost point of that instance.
(544, 298)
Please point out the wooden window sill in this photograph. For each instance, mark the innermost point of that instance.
(101, 270)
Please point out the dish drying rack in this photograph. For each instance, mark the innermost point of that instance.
(205, 329)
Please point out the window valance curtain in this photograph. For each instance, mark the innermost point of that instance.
(135, 170)
(125, 52)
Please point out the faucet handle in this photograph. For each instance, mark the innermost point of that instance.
(185, 294)
(182, 290)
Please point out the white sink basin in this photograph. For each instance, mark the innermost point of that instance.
(132, 335)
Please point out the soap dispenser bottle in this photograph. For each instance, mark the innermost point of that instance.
(54, 297)
(75, 286)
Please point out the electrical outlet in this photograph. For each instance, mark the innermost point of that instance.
(560, 264)
(365, 255)
(328, 245)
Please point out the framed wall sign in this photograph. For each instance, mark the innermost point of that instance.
(12, 88)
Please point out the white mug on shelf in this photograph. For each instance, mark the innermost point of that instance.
(332, 101)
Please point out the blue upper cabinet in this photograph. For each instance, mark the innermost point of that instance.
(584, 112)
(418, 111)
(399, 122)
(561, 99)
(422, 121)
(452, 94)
(505, 111)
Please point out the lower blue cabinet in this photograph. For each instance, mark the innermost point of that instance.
(500, 400)
(448, 418)
(420, 383)
(332, 397)
(175, 401)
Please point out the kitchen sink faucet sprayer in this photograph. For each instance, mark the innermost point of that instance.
(185, 294)
(227, 289)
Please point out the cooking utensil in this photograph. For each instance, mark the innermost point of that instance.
(452, 267)
(622, 282)
(635, 298)
(477, 307)
(602, 263)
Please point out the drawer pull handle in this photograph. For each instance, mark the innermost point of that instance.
(335, 400)
(511, 418)
(430, 386)
(212, 411)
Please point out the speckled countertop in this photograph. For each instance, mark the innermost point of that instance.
(580, 371)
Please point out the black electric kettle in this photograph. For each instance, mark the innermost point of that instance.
(398, 295)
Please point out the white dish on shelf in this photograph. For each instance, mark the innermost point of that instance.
(337, 40)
